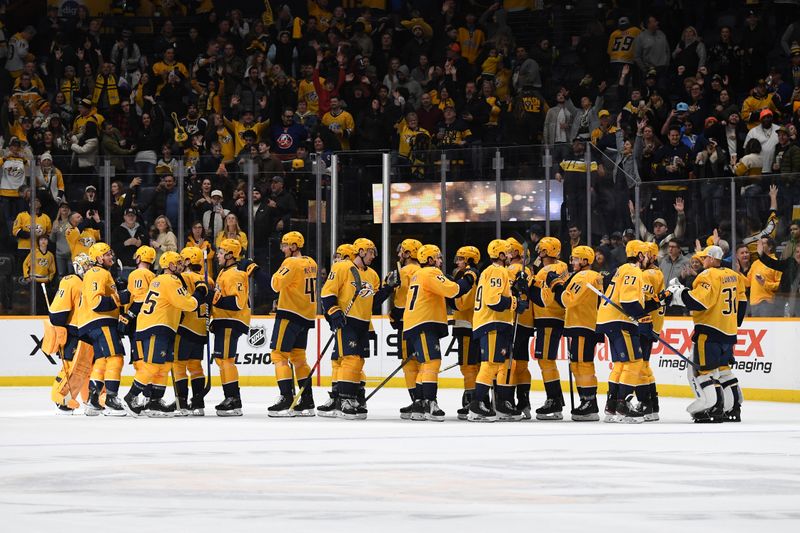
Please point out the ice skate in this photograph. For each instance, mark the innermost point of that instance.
(627, 413)
(433, 412)
(551, 410)
(181, 407)
(197, 407)
(349, 409)
(405, 412)
(480, 412)
(114, 407)
(506, 412)
(93, 407)
(587, 411)
(64, 410)
(331, 408)
(418, 410)
(735, 414)
(305, 407)
(610, 413)
(230, 406)
(158, 408)
(132, 406)
(466, 398)
(281, 408)
(648, 410)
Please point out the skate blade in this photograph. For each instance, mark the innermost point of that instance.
(526, 414)
(197, 412)
(418, 417)
(305, 413)
(611, 419)
(405, 416)
(232, 412)
(114, 412)
(159, 414)
(91, 411)
(361, 417)
(651, 418)
(463, 417)
(478, 418)
(632, 420)
(594, 417)
(347, 416)
(60, 412)
(327, 414)
(280, 414)
(181, 413)
(551, 416)
(509, 418)
(433, 418)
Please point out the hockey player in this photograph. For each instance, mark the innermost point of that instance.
(296, 284)
(231, 319)
(333, 407)
(469, 356)
(521, 353)
(549, 325)
(62, 335)
(352, 329)
(407, 259)
(646, 392)
(191, 339)
(492, 327)
(580, 320)
(156, 326)
(718, 304)
(626, 290)
(98, 319)
(132, 299)
(425, 319)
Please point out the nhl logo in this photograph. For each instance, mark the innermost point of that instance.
(257, 337)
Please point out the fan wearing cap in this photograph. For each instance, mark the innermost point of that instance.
(718, 303)
(622, 328)
(604, 128)
(549, 325)
(231, 319)
(580, 321)
(167, 299)
(759, 100)
(295, 281)
(765, 133)
(620, 45)
(98, 319)
(522, 277)
(86, 113)
(408, 265)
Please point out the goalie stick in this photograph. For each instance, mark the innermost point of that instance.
(307, 380)
(657, 337)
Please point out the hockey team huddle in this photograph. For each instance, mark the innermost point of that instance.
(495, 314)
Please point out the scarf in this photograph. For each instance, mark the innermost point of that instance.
(109, 84)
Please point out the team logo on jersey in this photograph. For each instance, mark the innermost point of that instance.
(257, 337)
(285, 141)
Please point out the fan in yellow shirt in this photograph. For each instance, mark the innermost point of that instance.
(340, 122)
(247, 123)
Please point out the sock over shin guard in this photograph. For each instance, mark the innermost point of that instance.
(113, 372)
(429, 378)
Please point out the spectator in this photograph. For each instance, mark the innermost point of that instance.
(764, 282)
(282, 206)
(661, 234)
(766, 134)
(743, 261)
(43, 272)
(428, 115)
(672, 265)
(165, 200)
(790, 278)
(793, 243)
(572, 172)
(586, 118)
(690, 52)
(287, 135)
(213, 218)
(112, 145)
(49, 184)
(58, 238)
(128, 237)
(339, 122)
(149, 137)
(758, 105)
(161, 237)
(231, 229)
(573, 241)
(22, 229)
(197, 238)
(652, 50)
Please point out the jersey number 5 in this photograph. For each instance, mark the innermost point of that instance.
(149, 301)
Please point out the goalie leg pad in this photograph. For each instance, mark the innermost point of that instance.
(705, 386)
(731, 390)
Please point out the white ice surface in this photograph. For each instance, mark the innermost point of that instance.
(257, 474)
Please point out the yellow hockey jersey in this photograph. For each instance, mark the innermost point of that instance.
(307, 92)
(580, 302)
(296, 284)
(66, 302)
(139, 283)
(653, 285)
(493, 285)
(401, 291)
(719, 291)
(238, 129)
(100, 301)
(339, 124)
(80, 241)
(425, 301)
(772, 279)
(465, 306)
(621, 45)
(342, 285)
(161, 311)
(551, 313)
(193, 323)
(45, 269)
(233, 282)
(525, 319)
(626, 287)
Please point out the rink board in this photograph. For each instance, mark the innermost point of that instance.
(767, 361)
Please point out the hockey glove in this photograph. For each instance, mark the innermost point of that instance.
(522, 305)
(125, 297)
(521, 283)
(200, 291)
(470, 275)
(336, 318)
(551, 279)
(392, 279)
(123, 323)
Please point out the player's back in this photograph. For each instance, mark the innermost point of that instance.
(234, 282)
(161, 311)
(296, 281)
(721, 291)
(551, 310)
(580, 302)
(66, 302)
(97, 284)
(625, 287)
(493, 285)
(425, 304)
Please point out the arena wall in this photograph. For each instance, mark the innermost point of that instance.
(767, 357)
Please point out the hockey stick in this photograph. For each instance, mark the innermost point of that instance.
(445, 369)
(385, 381)
(571, 391)
(207, 386)
(61, 350)
(657, 337)
(307, 380)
